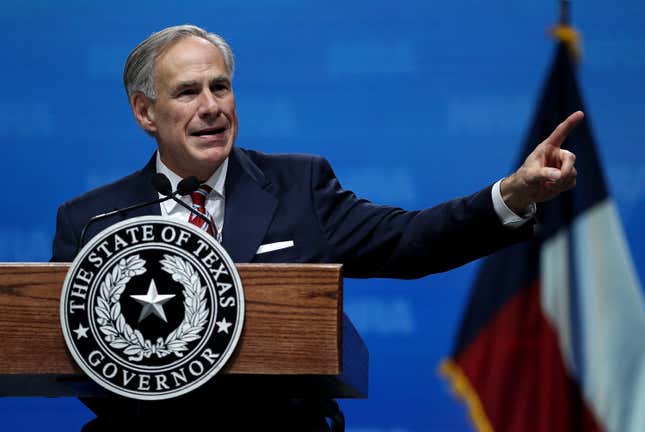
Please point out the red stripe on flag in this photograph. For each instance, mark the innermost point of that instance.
(515, 369)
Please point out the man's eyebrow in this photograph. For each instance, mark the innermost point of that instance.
(184, 84)
(222, 79)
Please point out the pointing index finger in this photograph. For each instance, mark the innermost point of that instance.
(563, 130)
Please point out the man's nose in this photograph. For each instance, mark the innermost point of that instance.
(209, 106)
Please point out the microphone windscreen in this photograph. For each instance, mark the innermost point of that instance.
(188, 185)
(161, 184)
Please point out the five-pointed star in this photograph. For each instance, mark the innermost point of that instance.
(222, 326)
(152, 302)
(81, 332)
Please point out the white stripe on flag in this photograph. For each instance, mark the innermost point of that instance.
(611, 323)
(554, 275)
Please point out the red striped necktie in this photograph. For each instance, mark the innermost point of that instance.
(199, 204)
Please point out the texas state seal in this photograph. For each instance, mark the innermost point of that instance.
(151, 308)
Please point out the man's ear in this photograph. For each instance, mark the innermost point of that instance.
(143, 109)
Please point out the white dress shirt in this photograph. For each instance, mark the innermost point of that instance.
(214, 201)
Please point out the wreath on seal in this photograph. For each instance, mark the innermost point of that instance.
(120, 335)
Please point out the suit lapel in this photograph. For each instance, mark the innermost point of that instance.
(249, 207)
(139, 191)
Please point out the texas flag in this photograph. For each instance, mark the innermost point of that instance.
(553, 337)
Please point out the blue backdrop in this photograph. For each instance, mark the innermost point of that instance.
(414, 102)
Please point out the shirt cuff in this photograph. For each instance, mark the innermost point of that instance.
(505, 214)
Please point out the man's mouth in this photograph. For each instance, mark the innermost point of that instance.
(210, 131)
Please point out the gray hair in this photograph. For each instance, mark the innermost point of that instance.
(138, 73)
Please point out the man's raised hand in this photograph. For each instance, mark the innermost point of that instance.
(546, 172)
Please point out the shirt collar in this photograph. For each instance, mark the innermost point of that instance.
(216, 181)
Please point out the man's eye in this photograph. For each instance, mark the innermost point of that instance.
(187, 92)
(219, 88)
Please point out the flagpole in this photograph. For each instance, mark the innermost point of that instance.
(563, 32)
(565, 7)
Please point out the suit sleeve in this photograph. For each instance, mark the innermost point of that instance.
(381, 241)
(65, 240)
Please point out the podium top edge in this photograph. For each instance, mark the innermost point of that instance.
(239, 265)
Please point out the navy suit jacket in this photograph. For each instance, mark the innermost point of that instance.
(272, 198)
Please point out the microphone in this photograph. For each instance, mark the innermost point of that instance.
(162, 185)
(184, 187)
(188, 185)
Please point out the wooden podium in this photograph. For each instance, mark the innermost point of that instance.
(296, 341)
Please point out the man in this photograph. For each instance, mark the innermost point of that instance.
(291, 208)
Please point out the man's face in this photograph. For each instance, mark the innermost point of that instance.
(193, 117)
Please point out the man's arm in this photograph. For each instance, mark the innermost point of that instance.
(388, 242)
(65, 241)
(382, 241)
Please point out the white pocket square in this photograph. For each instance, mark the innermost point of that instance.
(270, 247)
